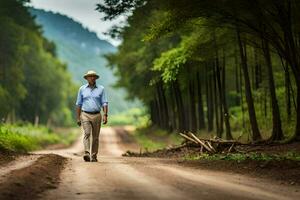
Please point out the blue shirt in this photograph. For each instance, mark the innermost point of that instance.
(91, 99)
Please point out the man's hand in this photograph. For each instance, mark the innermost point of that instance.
(78, 112)
(104, 119)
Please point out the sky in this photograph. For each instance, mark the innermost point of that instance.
(82, 11)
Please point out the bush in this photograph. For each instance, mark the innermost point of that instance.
(25, 137)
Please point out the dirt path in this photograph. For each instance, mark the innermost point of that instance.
(116, 177)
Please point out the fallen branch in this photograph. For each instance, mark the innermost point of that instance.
(215, 145)
(221, 141)
(209, 144)
(201, 143)
(229, 150)
(188, 138)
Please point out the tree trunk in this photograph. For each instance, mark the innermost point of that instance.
(237, 83)
(216, 102)
(179, 105)
(36, 120)
(297, 131)
(258, 72)
(291, 52)
(288, 94)
(158, 112)
(225, 107)
(251, 110)
(192, 104)
(209, 101)
(220, 89)
(242, 96)
(276, 130)
(163, 107)
(173, 111)
(201, 120)
(152, 112)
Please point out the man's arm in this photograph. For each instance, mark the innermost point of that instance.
(78, 107)
(105, 111)
(104, 104)
(78, 112)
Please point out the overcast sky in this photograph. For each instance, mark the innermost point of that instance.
(82, 11)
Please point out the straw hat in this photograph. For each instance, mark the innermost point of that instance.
(91, 73)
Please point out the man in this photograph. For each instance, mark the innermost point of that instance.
(90, 99)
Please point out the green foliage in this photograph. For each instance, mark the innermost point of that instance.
(152, 138)
(135, 116)
(170, 62)
(187, 61)
(119, 7)
(148, 144)
(16, 142)
(34, 83)
(242, 157)
(25, 137)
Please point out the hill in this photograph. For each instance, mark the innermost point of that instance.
(82, 50)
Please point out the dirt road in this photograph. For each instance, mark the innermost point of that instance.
(117, 177)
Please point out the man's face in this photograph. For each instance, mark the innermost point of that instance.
(91, 79)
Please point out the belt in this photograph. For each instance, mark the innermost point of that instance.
(93, 113)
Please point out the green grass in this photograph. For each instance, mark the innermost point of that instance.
(135, 116)
(24, 138)
(242, 157)
(151, 139)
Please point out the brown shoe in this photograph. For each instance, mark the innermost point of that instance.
(86, 157)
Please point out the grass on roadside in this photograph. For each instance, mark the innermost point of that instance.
(134, 116)
(242, 157)
(24, 138)
(152, 138)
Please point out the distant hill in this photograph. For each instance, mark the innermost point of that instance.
(82, 50)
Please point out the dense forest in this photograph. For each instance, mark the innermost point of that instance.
(229, 67)
(35, 85)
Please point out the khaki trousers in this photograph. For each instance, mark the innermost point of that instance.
(91, 125)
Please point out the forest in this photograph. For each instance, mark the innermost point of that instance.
(215, 90)
(229, 68)
(35, 86)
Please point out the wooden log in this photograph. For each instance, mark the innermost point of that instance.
(209, 144)
(188, 138)
(221, 141)
(200, 142)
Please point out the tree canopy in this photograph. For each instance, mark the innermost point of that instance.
(35, 85)
(227, 66)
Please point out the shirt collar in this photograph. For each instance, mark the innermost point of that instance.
(87, 85)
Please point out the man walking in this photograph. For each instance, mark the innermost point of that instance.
(90, 99)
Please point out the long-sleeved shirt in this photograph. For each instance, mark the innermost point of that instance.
(91, 99)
